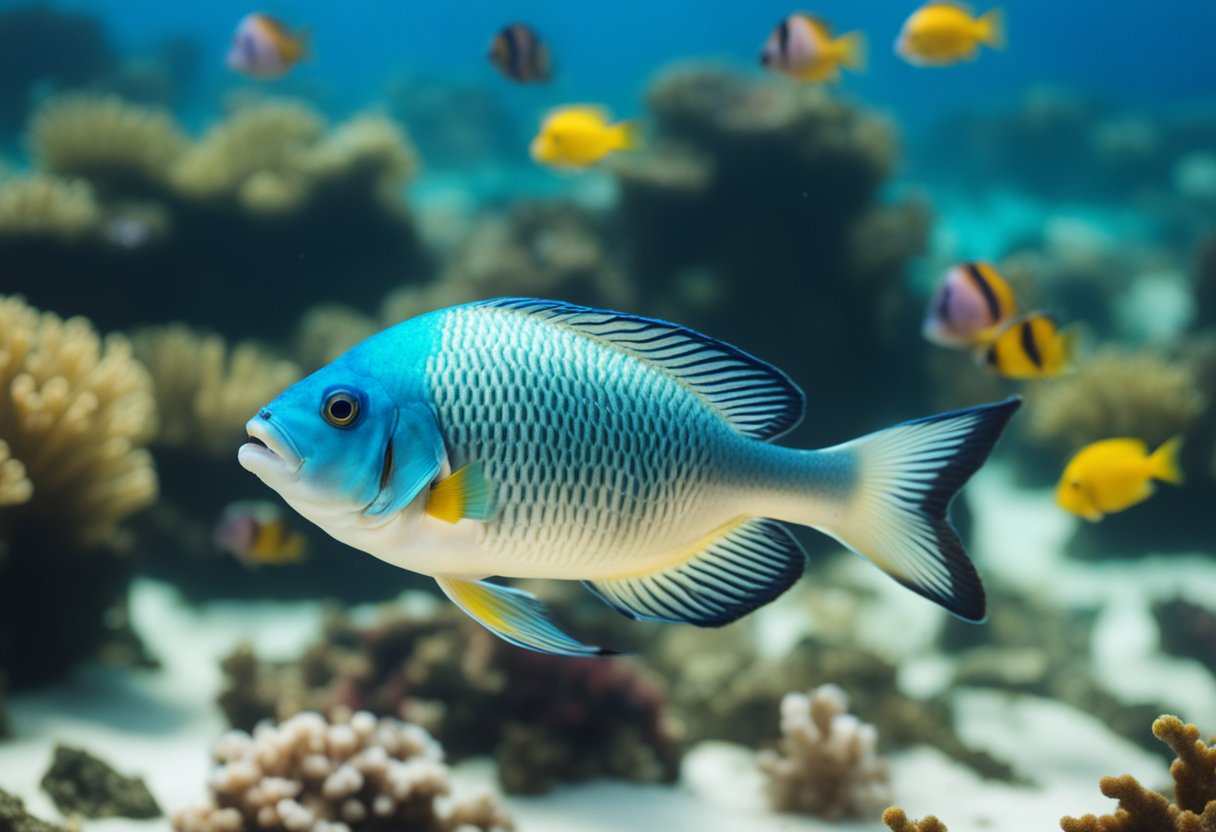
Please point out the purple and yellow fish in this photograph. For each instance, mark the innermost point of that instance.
(264, 48)
(970, 307)
(257, 534)
(803, 46)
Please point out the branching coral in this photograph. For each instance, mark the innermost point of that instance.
(15, 486)
(74, 412)
(829, 764)
(265, 140)
(897, 821)
(47, 206)
(369, 147)
(543, 717)
(104, 138)
(356, 773)
(205, 390)
(1117, 393)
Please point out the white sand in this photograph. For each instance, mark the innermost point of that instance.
(161, 724)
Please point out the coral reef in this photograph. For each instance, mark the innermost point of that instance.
(206, 390)
(1116, 392)
(14, 818)
(81, 784)
(328, 330)
(1204, 281)
(48, 207)
(544, 718)
(355, 772)
(828, 765)
(456, 126)
(104, 139)
(897, 821)
(536, 249)
(740, 167)
(1187, 629)
(75, 411)
(1194, 806)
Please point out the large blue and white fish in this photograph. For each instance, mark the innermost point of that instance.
(536, 439)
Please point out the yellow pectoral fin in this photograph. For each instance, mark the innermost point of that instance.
(463, 494)
(515, 616)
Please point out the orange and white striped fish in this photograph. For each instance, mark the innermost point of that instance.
(969, 307)
(264, 48)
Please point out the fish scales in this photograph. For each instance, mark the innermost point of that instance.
(592, 453)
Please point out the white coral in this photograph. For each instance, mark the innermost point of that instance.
(829, 764)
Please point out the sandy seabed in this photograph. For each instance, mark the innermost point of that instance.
(160, 724)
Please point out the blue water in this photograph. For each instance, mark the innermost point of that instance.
(1146, 55)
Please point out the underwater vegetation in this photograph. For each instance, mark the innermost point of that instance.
(352, 772)
(1193, 808)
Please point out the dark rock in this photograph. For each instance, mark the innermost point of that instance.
(81, 784)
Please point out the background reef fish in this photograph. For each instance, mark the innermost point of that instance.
(1114, 474)
(520, 55)
(580, 135)
(265, 48)
(943, 33)
(802, 46)
(258, 533)
(969, 307)
(1030, 347)
(531, 438)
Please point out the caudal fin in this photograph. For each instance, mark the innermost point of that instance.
(852, 47)
(1164, 462)
(992, 28)
(628, 135)
(896, 512)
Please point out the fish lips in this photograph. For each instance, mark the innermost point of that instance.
(269, 453)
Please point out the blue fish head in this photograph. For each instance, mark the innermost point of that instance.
(338, 443)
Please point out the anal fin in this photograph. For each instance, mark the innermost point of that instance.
(462, 494)
(735, 569)
(515, 616)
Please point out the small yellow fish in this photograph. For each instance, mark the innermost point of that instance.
(579, 135)
(1030, 347)
(1114, 474)
(257, 534)
(803, 46)
(941, 33)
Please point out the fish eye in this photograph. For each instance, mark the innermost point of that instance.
(341, 409)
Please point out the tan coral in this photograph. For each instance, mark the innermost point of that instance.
(353, 773)
(270, 137)
(370, 144)
(897, 821)
(15, 486)
(74, 410)
(47, 206)
(205, 390)
(1116, 393)
(829, 764)
(96, 136)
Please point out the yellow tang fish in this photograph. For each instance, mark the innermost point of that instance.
(1114, 474)
(803, 47)
(941, 33)
(579, 135)
(1030, 347)
(257, 534)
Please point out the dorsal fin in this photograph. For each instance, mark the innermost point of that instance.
(822, 27)
(755, 398)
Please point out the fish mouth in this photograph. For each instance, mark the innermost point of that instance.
(268, 450)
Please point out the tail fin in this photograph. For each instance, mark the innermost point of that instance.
(1164, 462)
(992, 28)
(629, 135)
(896, 513)
(853, 50)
